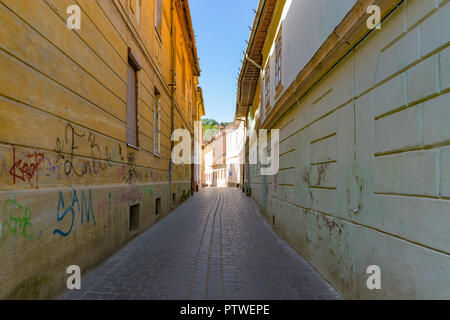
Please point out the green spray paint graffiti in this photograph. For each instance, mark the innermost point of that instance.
(148, 190)
(16, 224)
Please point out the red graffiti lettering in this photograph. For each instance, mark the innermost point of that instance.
(26, 169)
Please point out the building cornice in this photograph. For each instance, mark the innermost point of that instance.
(250, 70)
(184, 15)
(351, 30)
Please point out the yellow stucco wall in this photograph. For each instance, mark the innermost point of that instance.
(67, 176)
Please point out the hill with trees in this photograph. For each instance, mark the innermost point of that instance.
(211, 127)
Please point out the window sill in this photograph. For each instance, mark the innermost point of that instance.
(158, 35)
(278, 91)
(134, 147)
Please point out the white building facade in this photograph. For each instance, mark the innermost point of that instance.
(235, 136)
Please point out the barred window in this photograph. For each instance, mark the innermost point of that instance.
(278, 61)
(267, 86)
(157, 124)
(158, 16)
(132, 100)
(183, 75)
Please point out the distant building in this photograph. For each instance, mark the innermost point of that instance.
(215, 160)
(198, 146)
(223, 155)
(235, 136)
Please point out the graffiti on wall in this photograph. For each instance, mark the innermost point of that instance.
(67, 211)
(16, 219)
(131, 173)
(147, 190)
(132, 196)
(102, 207)
(118, 154)
(121, 171)
(26, 168)
(67, 146)
(53, 168)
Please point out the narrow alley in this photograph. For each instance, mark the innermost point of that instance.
(214, 246)
(225, 150)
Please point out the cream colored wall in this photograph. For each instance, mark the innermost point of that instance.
(364, 172)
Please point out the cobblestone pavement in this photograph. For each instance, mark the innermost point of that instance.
(214, 246)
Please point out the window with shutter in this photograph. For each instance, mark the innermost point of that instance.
(267, 87)
(132, 98)
(131, 107)
(158, 16)
(278, 61)
(183, 75)
(157, 125)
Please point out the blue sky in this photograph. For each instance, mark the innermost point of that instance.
(221, 28)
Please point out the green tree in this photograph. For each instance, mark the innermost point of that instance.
(210, 128)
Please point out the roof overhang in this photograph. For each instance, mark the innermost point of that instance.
(250, 71)
(184, 15)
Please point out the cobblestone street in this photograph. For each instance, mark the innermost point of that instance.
(214, 246)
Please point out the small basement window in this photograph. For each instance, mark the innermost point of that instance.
(158, 206)
(134, 218)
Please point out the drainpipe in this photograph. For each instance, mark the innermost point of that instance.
(247, 155)
(261, 6)
(259, 11)
(172, 98)
(246, 122)
(252, 62)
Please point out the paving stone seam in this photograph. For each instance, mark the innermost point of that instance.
(212, 209)
(295, 257)
(221, 200)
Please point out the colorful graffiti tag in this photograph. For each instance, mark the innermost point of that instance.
(131, 173)
(25, 169)
(90, 167)
(133, 195)
(16, 219)
(53, 169)
(84, 208)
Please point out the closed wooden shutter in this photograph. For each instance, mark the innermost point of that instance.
(158, 15)
(261, 91)
(131, 107)
(157, 125)
(159, 130)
